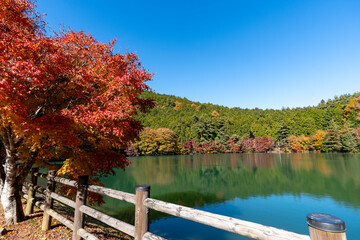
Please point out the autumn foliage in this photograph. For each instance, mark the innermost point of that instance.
(64, 98)
(352, 108)
(318, 139)
(160, 141)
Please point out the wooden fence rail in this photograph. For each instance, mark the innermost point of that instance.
(244, 228)
(321, 226)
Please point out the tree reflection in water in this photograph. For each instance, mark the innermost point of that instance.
(201, 180)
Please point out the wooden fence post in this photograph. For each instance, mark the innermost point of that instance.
(49, 202)
(81, 195)
(325, 227)
(141, 212)
(31, 192)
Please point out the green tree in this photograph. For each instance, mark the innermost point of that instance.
(283, 132)
(332, 142)
(221, 130)
(348, 140)
(205, 129)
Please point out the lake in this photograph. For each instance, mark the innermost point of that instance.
(277, 190)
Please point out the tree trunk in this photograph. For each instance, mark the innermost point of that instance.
(11, 203)
(2, 177)
(10, 188)
(10, 195)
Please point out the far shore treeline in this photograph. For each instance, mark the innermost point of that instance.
(179, 126)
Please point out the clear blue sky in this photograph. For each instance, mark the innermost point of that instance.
(241, 53)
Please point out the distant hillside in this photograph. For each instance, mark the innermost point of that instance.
(204, 121)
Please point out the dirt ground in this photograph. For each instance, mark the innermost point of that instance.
(31, 229)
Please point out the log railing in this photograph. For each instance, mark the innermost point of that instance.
(321, 226)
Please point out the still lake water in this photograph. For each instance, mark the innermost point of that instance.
(277, 190)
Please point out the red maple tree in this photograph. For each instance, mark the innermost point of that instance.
(63, 98)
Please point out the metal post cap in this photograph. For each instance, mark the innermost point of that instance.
(142, 188)
(326, 222)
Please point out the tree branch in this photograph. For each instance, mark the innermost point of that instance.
(8, 138)
(20, 178)
(2, 176)
(5, 139)
(10, 161)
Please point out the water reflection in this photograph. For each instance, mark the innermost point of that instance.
(203, 181)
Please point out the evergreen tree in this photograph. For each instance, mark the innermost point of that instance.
(205, 129)
(282, 133)
(331, 142)
(221, 135)
(348, 140)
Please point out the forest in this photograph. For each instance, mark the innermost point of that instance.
(179, 126)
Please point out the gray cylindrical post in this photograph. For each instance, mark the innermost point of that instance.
(31, 192)
(49, 202)
(325, 227)
(81, 195)
(141, 212)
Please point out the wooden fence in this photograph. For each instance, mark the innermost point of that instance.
(143, 203)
